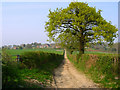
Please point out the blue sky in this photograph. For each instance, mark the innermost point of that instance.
(23, 22)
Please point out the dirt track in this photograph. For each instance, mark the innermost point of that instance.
(66, 76)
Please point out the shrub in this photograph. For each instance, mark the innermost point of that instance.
(102, 68)
(35, 59)
(41, 64)
(10, 71)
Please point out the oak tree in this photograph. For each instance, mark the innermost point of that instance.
(79, 25)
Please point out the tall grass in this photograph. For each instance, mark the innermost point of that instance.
(10, 71)
(36, 65)
(101, 68)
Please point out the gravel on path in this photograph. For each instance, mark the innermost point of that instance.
(66, 76)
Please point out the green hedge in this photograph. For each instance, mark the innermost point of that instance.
(10, 71)
(36, 65)
(101, 68)
(105, 71)
(35, 59)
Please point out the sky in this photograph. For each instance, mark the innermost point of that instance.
(24, 22)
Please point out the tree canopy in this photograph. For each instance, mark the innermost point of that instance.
(79, 25)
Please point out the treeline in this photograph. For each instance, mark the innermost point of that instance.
(22, 46)
(113, 48)
(34, 45)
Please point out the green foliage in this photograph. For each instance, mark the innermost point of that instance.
(10, 71)
(35, 59)
(41, 64)
(104, 64)
(40, 70)
(102, 68)
(108, 70)
(78, 25)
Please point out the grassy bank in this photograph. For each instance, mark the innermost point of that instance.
(101, 68)
(35, 70)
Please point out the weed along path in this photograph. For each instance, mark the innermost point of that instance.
(66, 76)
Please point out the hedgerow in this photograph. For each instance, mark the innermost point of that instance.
(34, 65)
(101, 68)
(35, 59)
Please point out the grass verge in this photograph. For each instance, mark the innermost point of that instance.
(101, 68)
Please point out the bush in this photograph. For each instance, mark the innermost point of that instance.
(102, 68)
(10, 71)
(41, 64)
(35, 59)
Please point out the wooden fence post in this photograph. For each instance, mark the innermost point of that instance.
(18, 58)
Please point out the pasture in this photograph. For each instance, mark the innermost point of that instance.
(95, 52)
(20, 51)
(14, 52)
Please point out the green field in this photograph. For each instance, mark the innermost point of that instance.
(90, 52)
(49, 50)
(95, 52)
(20, 51)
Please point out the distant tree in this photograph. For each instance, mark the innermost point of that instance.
(105, 48)
(4, 47)
(119, 47)
(28, 46)
(23, 45)
(35, 43)
(78, 25)
(20, 47)
(114, 49)
(14, 45)
(39, 43)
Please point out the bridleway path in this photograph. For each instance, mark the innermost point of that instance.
(66, 76)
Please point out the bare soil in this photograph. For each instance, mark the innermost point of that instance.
(66, 76)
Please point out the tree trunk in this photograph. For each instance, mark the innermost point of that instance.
(81, 49)
(71, 51)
